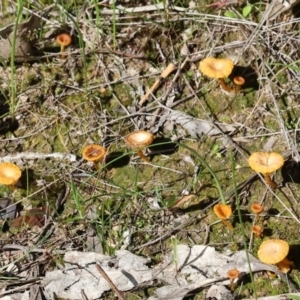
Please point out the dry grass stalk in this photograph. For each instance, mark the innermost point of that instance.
(165, 73)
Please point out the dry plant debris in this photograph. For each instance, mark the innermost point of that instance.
(178, 271)
(23, 46)
(135, 68)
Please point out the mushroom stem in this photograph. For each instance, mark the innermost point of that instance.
(62, 52)
(96, 165)
(142, 156)
(257, 218)
(227, 224)
(232, 284)
(285, 265)
(237, 89)
(225, 87)
(269, 181)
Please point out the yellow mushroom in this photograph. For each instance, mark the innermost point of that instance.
(239, 81)
(64, 40)
(257, 209)
(257, 231)
(232, 275)
(223, 212)
(218, 68)
(266, 163)
(94, 153)
(9, 173)
(274, 252)
(139, 140)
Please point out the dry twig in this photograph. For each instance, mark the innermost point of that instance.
(111, 284)
(165, 73)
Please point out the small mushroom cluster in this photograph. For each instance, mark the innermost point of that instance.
(271, 252)
(137, 141)
(221, 68)
(224, 212)
(265, 163)
(257, 209)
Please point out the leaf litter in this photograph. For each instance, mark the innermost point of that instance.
(192, 266)
(23, 50)
(181, 271)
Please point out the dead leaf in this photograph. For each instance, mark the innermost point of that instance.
(23, 48)
(35, 217)
(179, 203)
(195, 127)
(126, 270)
(32, 217)
(180, 274)
(34, 22)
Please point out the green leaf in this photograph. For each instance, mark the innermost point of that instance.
(230, 14)
(293, 297)
(247, 10)
(215, 148)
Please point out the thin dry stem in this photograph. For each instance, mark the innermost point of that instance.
(165, 73)
(109, 281)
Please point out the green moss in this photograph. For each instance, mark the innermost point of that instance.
(31, 78)
(123, 92)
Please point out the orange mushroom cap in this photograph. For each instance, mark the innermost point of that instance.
(9, 173)
(216, 67)
(139, 139)
(273, 251)
(223, 211)
(256, 208)
(257, 230)
(239, 80)
(64, 39)
(233, 273)
(265, 162)
(93, 152)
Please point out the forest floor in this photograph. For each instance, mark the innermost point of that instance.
(53, 105)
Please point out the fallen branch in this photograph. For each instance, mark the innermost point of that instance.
(33, 155)
(147, 8)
